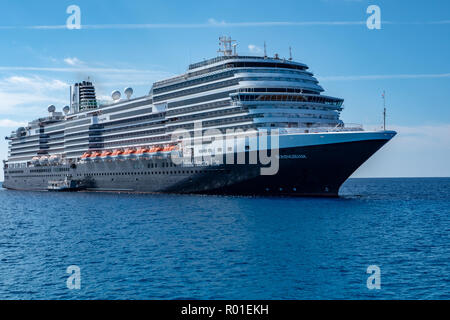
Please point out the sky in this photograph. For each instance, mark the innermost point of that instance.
(134, 43)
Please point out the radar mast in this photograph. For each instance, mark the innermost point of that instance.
(226, 46)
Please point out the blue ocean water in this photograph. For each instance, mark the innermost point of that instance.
(131, 246)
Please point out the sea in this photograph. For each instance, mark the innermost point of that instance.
(381, 239)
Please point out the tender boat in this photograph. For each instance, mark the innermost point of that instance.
(68, 184)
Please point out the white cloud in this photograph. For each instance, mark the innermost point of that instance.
(7, 123)
(29, 94)
(35, 82)
(87, 70)
(416, 151)
(440, 22)
(254, 49)
(213, 23)
(73, 61)
(383, 76)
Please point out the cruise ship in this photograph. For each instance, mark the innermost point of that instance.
(242, 125)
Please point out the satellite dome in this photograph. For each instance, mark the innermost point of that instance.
(115, 95)
(66, 109)
(20, 131)
(51, 108)
(128, 92)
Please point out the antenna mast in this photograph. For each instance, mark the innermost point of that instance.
(226, 44)
(265, 50)
(384, 110)
(290, 54)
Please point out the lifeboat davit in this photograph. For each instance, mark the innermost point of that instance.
(35, 160)
(117, 154)
(129, 154)
(105, 155)
(43, 160)
(86, 156)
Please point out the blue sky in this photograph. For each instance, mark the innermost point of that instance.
(134, 43)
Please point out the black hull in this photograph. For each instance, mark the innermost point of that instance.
(317, 170)
(320, 174)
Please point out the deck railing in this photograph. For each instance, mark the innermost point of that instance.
(346, 128)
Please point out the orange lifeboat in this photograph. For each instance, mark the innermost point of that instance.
(168, 149)
(86, 156)
(142, 152)
(95, 155)
(117, 154)
(148, 152)
(129, 153)
(154, 150)
(105, 155)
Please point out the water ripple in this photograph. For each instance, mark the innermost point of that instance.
(213, 247)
